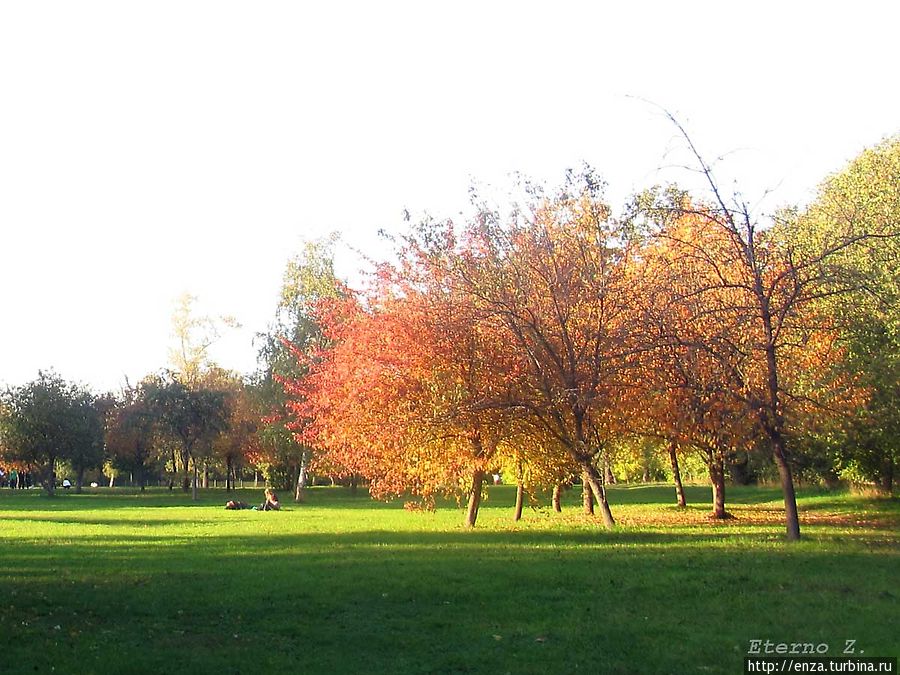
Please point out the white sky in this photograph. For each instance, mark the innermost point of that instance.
(152, 148)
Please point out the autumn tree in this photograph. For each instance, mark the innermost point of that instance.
(193, 336)
(695, 410)
(536, 461)
(400, 396)
(693, 382)
(773, 283)
(459, 364)
(239, 439)
(556, 275)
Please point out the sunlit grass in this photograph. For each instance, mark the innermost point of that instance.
(113, 581)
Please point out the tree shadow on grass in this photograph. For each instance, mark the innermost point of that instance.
(449, 601)
(598, 542)
(110, 522)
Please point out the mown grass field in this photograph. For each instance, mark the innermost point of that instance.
(117, 582)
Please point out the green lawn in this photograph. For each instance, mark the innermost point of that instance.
(113, 581)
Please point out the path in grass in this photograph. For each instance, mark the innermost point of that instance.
(115, 582)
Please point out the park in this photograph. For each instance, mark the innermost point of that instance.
(113, 580)
(504, 338)
(566, 442)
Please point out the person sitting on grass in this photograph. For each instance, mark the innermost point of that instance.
(271, 503)
(232, 505)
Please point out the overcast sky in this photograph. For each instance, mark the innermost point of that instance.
(147, 149)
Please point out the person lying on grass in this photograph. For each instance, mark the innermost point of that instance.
(270, 504)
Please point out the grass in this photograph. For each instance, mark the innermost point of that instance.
(113, 581)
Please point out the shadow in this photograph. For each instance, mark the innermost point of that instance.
(383, 601)
(109, 522)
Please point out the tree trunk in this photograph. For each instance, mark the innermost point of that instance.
(302, 477)
(608, 476)
(587, 497)
(717, 478)
(792, 518)
(599, 491)
(112, 480)
(354, 484)
(298, 487)
(291, 479)
(474, 498)
(557, 497)
(229, 473)
(255, 479)
(520, 500)
(79, 481)
(772, 421)
(205, 474)
(141, 478)
(194, 495)
(739, 470)
(887, 477)
(186, 468)
(676, 474)
(50, 481)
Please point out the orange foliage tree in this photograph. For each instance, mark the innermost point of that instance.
(558, 278)
(759, 291)
(695, 381)
(403, 394)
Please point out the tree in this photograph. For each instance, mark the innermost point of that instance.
(400, 395)
(131, 429)
(537, 462)
(309, 278)
(521, 328)
(48, 420)
(775, 283)
(240, 439)
(694, 378)
(865, 196)
(192, 417)
(558, 278)
(86, 450)
(194, 335)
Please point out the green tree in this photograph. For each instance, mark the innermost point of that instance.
(865, 196)
(86, 450)
(309, 278)
(48, 420)
(131, 429)
(193, 417)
